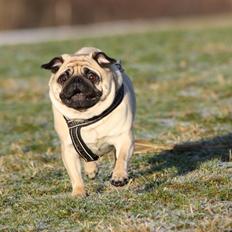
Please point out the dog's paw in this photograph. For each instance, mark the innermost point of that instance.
(119, 180)
(93, 174)
(91, 169)
(79, 192)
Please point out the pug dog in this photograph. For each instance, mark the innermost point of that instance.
(93, 103)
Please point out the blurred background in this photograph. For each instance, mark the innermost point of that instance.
(21, 14)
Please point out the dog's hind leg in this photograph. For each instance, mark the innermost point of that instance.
(91, 169)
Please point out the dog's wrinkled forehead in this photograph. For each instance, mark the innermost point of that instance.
(84, 57)
(77, 62)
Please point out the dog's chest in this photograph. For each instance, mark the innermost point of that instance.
(100, 148)
(96, 140)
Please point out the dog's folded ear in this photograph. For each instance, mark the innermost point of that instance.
(102, 59)
(54, 64)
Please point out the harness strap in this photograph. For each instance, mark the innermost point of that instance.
(80, 146)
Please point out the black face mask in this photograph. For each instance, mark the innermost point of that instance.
(79, 93)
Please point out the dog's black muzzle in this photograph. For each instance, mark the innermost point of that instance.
(79, 93)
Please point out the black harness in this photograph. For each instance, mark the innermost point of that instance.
(75, 128)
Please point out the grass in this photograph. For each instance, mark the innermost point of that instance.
(183, 85)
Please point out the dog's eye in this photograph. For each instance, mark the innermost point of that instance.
(93, 77)
(63, 77)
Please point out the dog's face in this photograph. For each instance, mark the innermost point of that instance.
(82, 80)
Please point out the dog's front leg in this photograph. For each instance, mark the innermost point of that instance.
(123, 154)
(72, 164)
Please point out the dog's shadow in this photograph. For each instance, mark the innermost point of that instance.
(186, 157)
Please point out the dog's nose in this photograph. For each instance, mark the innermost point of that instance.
(74, 86)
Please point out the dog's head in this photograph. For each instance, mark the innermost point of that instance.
(82, 80)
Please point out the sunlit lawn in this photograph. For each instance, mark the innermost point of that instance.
(184, 93)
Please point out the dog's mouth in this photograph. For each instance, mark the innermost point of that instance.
(80, 100)
(80, 94)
